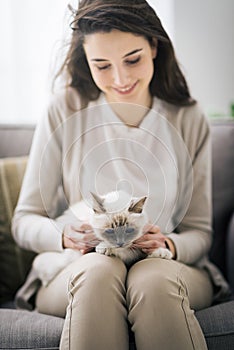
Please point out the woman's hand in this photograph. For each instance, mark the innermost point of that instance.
(153, 239)
(79, 236)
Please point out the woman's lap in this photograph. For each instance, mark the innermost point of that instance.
(153, 295)
(53, 299)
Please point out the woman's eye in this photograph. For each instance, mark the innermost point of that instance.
(109, 230)
(129, 229)
(132, 62)
(103, 67)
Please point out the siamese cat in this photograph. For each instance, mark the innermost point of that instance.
(117, 222)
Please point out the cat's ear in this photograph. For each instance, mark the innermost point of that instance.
(136, 205)
(98, 207)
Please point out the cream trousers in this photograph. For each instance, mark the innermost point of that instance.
(98, 297)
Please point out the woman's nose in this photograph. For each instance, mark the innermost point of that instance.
(120, 76)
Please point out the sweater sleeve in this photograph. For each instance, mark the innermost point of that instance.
(33, 226)
(194, 234)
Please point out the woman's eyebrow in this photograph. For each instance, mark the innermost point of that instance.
(127, 54)
(132, 52)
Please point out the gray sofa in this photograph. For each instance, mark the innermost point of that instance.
(30, 330)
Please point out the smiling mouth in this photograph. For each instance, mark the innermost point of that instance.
(125, 90)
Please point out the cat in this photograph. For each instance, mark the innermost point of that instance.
(118, 221)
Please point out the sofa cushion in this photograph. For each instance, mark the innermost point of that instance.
(217, 323)
(29, 330)
(14, 262)
(230, 255)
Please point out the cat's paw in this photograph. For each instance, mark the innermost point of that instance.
(100, 249)
(109, 252)
(162, 253)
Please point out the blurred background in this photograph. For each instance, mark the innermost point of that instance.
(33, 36)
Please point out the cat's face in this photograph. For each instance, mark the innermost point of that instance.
(118, 228)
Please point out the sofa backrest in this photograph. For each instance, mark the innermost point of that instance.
(15, 140)
(223, 189)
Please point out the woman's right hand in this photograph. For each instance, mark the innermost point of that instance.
(79, 236)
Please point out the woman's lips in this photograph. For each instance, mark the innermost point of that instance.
(125, 90)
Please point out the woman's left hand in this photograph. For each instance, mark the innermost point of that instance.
(151, 240)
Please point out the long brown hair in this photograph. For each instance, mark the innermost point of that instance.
(134, 16)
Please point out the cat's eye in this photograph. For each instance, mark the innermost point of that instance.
(129, 230)
(109, 230)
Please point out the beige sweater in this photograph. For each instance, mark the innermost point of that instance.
(167, 157)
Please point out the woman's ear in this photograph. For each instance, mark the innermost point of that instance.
(154, 48)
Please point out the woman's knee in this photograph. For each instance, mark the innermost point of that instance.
(98, 270)
(152, 278)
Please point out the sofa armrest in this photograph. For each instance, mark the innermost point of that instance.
(230, 253)
(20, 329)
(14, 261)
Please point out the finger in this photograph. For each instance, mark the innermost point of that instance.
(149, 245)
(151, 228)
(90, 239)
(69, 243)
(82, 240)
(79, 235)
(159, 237)
(79, 226)
(86, 227)
(148, 251)
(79, 245)
(143, 239)
(87, 250)
(145, 250)
(75, 236)
(94, 242)
(148, 237)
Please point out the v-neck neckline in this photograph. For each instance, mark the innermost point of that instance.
(152, 111)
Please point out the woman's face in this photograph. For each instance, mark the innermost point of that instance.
(121, 65)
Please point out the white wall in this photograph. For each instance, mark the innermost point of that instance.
(32, 31)
(165, 11)
(30, 35)
(204, 40)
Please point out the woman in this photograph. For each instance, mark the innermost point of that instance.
(126, 120)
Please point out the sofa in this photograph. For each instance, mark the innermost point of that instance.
(20, 329)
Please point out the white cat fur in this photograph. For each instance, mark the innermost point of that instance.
(119, 202)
